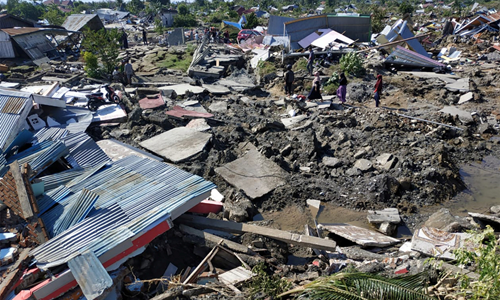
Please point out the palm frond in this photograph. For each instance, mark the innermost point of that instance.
(361, 286)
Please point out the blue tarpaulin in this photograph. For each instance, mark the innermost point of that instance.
(237, 25)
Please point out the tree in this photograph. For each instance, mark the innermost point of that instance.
(406, 8)
(54, 15)
(252, 21)
(184, 21)
(378, 15)
(162, 2)
(105, 45)
(200, 3)
(135, 6)
(25, 9)
(182, 9)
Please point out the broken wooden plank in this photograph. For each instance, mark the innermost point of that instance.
(15, 273)
(285, 236)
(235, 276)
(199, 268)
(215, 239)
(24, 201)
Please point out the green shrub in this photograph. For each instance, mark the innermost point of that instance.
(486, 258)
(185, 21)
(190, 49)
(300, 64)
(352, 63)
(270, 285)
(91, 64)
(265, 67)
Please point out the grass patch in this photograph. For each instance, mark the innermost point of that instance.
(176, 61)
(265, 67)
(300, 64)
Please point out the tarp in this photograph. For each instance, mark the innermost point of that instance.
(237, 25)
(331, 37)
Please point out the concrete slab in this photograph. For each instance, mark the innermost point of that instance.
(216, 89)
(116, 150)
(219, 106)
(461, 85)
(193, 105)
(390, 215)
(180, 112)
(437, 243)
(178, 144)
(466, 98)
(291, 122)
(198, 125)
(447, 78)
(183, 88)
(360, 236)
(462, 114)
(255, 174)
(236, 86)
(483, 217)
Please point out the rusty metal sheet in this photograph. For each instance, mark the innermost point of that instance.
(146, 103)
(360, 236)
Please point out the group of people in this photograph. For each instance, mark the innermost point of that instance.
(315, 92)
(124, 38)
(213, 35)
(124, 73)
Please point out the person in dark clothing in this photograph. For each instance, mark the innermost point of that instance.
(124, 40)
(378, 90)
(310, 61)
(342, 90)
(144, 36)
(226, 37)
(289, 79)
(315, 89)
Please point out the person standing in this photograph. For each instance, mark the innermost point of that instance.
(342, 90)
(124, 39)
(144, 36)
(226, 37)
(289, 79)
(315, 89)
(378, 90)
(129, 72)
(310, 61)
(197, 38)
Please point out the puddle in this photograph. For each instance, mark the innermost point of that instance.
(482, 180)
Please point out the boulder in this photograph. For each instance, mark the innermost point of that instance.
(363, 165)
(495, 209)
(332, 162)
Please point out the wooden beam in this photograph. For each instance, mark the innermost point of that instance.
(285, 236)
(215, 239)
(199, 268)
(24, 201)
(16, 271)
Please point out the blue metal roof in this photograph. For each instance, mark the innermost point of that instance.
(53, 181)
(8, 123)
(136, 193)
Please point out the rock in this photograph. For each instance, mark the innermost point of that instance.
(135, 114)
(387, 228)
(353, 172)
(384, 158)
(466, 98)
(220, 106)
(363, 164)
(485, 128)
(360, 154)
(405, 182)
(440, 219)
(240, 211)
(389, 215)
(332, 162)
(118, 133)
(495, 209)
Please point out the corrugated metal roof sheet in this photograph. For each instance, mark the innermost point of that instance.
(136, 192)
(12, 104)
(90, 274)
(7, 125)
(23, 30)
(77, 21)
(48, 157)
(276, 25)
(83, 151)
(3, 165)
(51, 198)
(53, 181)
(407, 57)
(76, 212)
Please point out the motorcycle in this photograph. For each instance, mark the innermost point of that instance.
(95, 100)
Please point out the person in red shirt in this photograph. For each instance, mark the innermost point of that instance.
(378, 90)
